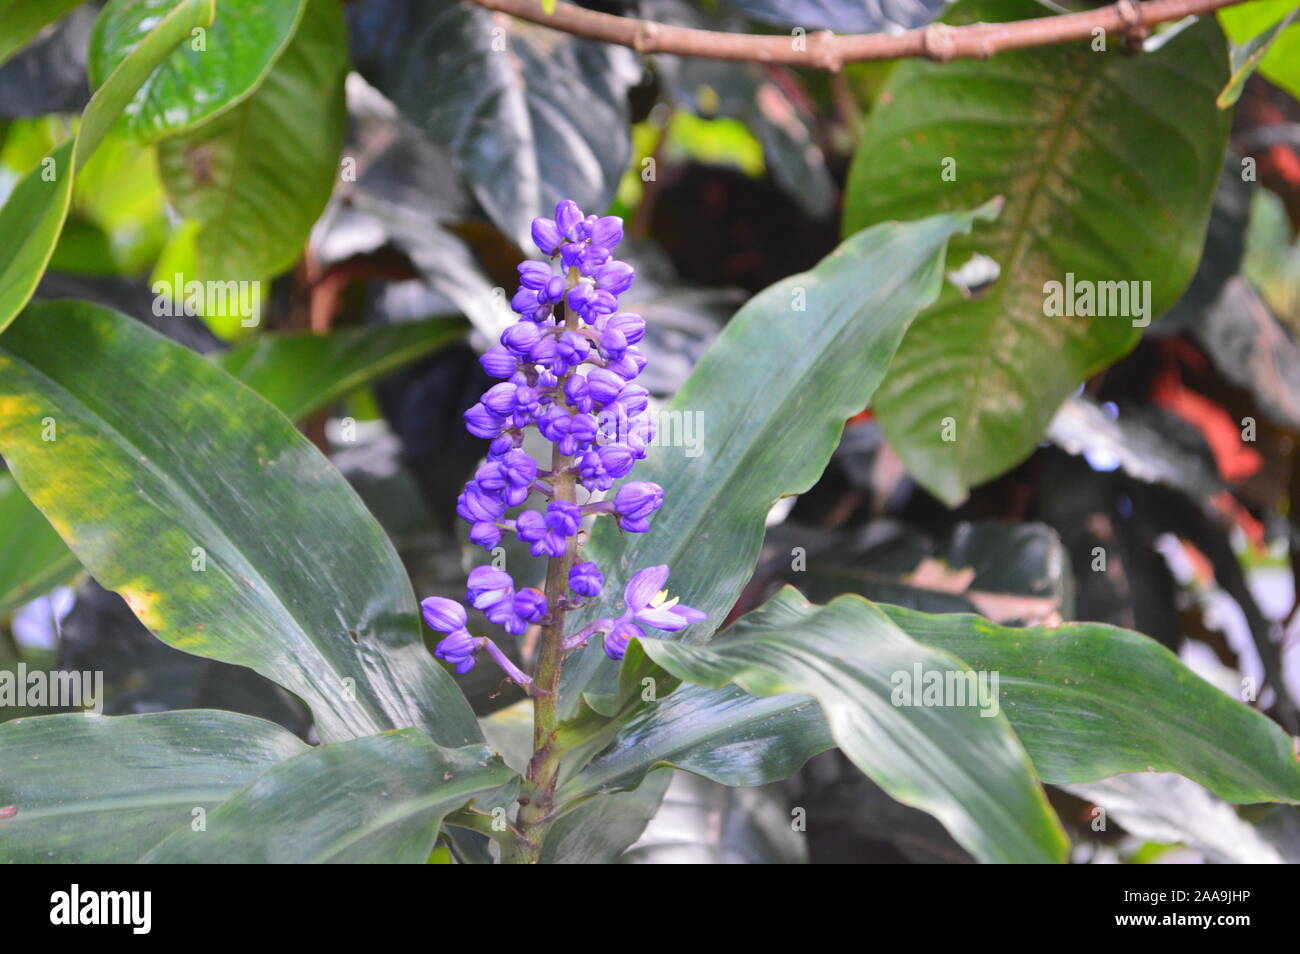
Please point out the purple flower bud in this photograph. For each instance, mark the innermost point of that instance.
(443, 615)
(475, 505)
(485, 535)
(568, 217)
(553, 292)
(458, 649)
(585, 579)
(545, 352)
(487, 586)
(481, 422)
(572, 254)
(520, 337)
(606, 232)
(498, 362)
(635, 502)
(634, 400)
(530, 526)
(576, 393)
(573, 348)
(525, 302)
(604, 385)
(616, 459)
(551, 544)
(500, 445)
(530, 605)
(627, 323)
(614, 277)
(546, 234)
(616, 639)
(535, 275)
(500, 399)
(629, 365)
(563, 517)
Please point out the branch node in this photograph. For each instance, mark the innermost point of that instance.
(645, 35)
(938, 42)
(826, 51)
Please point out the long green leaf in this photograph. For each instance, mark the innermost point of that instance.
(771, 397)
(375, 800)
(33, 216)
(212, 72)
(301, 372)
(1269, 35)
(227, 532)
(256, 177)
(32, 557)
(957, 762)
(1089, 701)
(96, 789)
(1108, 163)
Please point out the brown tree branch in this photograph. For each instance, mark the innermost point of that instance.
(826, 50)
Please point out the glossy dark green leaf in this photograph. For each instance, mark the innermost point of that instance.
(256, 177)
(301, 372)
(24, 19)
(96, 789)
(1108, 163)
(1089, 701)
(380, 799)
(599, 830)
(532, 116)
(961, 763)
(208, 74)
(38, 204)
(175, 466)
(768, 401)
(32, 557)
(725, 735)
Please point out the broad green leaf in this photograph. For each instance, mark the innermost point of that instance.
(1108, 163)
(375, 800)
(725, 735)
(532, 116)
(32, 557)
(103, 789)
(256, 177)
(23, 19)
(1249, 55)
(961, 763)
(38, 204)
(771, 397)
(225, 530)
(301, 372)
(1267, 27)
(211, 72)
(1089, 701)
(599, 830)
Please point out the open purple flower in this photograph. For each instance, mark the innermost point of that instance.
(646, 603)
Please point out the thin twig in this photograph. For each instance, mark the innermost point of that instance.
(826, 50)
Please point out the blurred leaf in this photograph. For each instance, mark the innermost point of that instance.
(175, 463)
(1010, 572)
(38, 204)
(105, 789)
(1248, 55)
(1108, 166)
(49, 74)
(1169, 808)
(955, 762)
(202, 78)
(1089, 701)
(257, 177)
(301, 372)
(707, 824)
(773, 392)
(1256, 23)
(379, 799)
(532, 116)
(24, 19)
(844, 16)
(32, 558)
